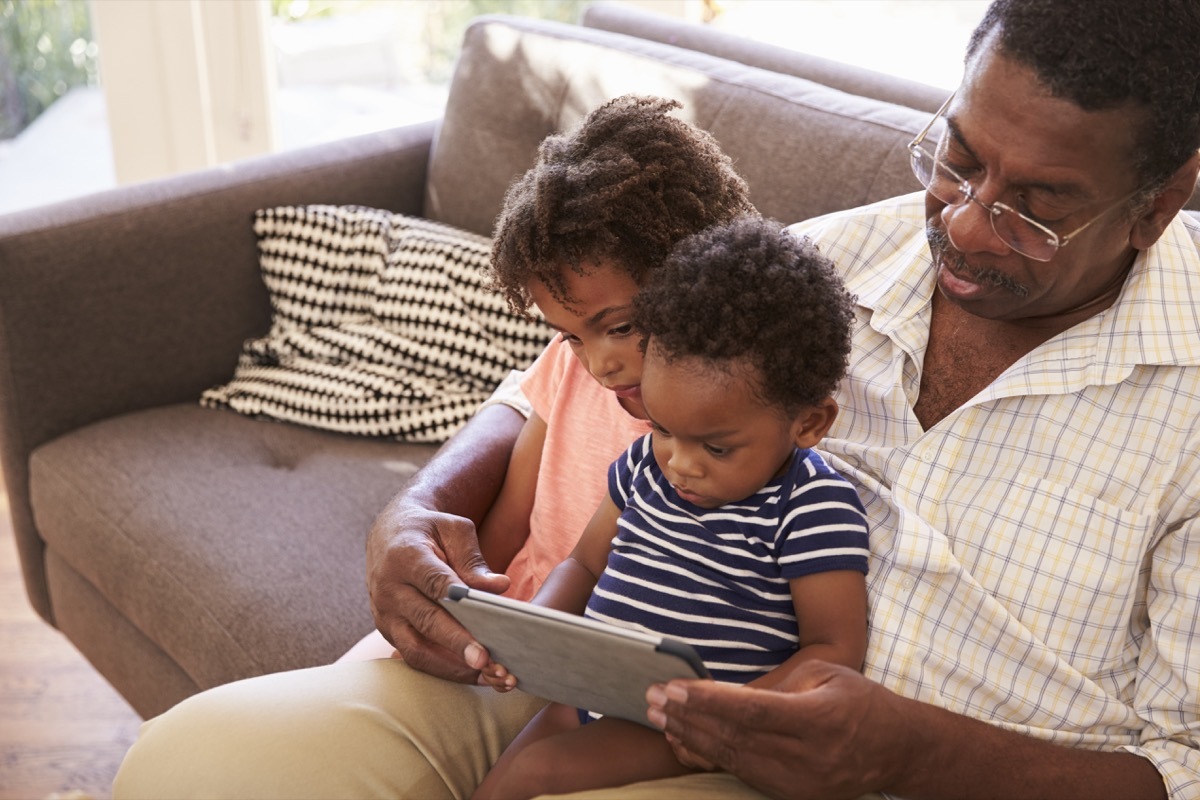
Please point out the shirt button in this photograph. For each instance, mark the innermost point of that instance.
(908, 583)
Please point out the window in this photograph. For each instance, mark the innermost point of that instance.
(195, 83)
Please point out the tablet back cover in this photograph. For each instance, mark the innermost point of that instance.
(573, 661)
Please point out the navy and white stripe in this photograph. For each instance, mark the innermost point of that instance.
(718, 578)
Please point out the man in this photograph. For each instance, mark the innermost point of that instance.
(1022, 420)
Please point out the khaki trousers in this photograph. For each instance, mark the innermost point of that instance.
(368, 729)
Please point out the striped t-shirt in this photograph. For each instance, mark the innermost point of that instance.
(718, 578)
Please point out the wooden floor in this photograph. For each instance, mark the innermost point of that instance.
(63, 730)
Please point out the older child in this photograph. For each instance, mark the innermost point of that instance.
(722, 527)
(579, 233)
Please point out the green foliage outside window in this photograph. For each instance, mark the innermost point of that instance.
(46, 49)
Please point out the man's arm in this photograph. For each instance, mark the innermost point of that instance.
(425, 539)
(830, 732)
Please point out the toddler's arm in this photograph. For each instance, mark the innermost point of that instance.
(831, 612)
(570, 584)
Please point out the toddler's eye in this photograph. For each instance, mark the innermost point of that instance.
(568, 338)
(716, 451)
(621, 330)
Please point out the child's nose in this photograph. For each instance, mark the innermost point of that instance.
(683, 465)
(603, 361)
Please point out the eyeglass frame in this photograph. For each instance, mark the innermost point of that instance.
(997, 208)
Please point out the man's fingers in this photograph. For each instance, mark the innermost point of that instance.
(463, 555)
(704, 735)
(433, 622)
(422, 654)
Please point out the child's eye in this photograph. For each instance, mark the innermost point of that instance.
(569, 338)
(621, 330)
(714, 450)
(659, 430)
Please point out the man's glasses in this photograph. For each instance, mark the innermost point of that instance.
(1028, 237)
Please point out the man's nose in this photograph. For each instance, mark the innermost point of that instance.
(969, 226)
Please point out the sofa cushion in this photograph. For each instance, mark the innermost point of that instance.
(382, 325)
(805, 149)
(236, 545)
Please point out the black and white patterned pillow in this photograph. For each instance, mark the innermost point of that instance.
(381, 325)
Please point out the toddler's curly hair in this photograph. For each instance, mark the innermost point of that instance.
(750, 294)
(624, 187)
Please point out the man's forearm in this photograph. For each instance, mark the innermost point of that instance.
(952, 756)
(466, 473)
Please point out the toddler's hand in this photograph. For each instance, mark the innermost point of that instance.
(497, 677)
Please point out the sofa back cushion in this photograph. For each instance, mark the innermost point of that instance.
(805, 149)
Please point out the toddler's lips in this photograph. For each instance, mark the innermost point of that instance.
(633, 392)
(694, 499)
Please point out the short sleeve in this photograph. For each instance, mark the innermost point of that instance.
(824, 526)
(623, 470)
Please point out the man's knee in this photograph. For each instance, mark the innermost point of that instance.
(357, 729)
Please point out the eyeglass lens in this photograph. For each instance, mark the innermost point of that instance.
(1014, 230)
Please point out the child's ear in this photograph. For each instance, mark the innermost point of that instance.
(811, 424)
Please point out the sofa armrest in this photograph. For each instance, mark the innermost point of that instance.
(142, 296)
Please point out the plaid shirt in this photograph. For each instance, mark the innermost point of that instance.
(1035, 556)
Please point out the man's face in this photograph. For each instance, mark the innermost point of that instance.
(1055, 163)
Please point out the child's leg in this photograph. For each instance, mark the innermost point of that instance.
(550, 721)
(606, 753)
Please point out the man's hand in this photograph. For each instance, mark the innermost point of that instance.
(413, 555)
(415, 551)
(828, 732)
(825, 732)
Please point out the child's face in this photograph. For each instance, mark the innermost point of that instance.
(714, 440)
(598, 329)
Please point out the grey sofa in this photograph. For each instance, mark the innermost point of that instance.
(179, 547)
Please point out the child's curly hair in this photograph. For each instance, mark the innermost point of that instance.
(625, 187)
(750, 293)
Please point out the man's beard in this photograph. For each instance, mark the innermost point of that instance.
(945, 254)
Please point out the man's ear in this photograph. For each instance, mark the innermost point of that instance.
(812, 423)
(1170, 199)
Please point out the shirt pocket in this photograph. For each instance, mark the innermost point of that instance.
(1063, 563)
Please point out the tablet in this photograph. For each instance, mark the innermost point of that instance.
(571, 659)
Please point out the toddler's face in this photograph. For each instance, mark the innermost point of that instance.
(598, 329)
(714, 440)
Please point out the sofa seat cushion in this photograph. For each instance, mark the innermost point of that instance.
(236, 545)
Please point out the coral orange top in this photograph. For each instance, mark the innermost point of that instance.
(586, 429)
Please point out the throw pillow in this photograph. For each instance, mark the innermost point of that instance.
(381, 325)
